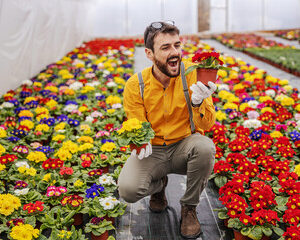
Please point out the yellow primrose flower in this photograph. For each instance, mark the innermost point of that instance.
(267, 109)
(78, 183)
(83, 109)
(51, 104)
(85, 146)
(111, 111)
(230, 106)
(222, 73)
(25, 113)
(37, 156)
(243, 106)
(3, 133)
(287, 101)
(220, 116)
(47, 177)
(85, 139)
(283, 82)
(276, 134)
(60, 126)
(264, 98)
(42, 128)
(297, 170)
(108, 147)
(2, 167)
(2, 150)
(112, 100)
(58, 137)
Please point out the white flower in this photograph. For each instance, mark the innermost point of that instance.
(117, 105)
(70, 107)
(7, 105)
(106, 179)
(19, 192)
(89, 119)
(106, 203)
(76, 85)
(22, 163)
(271, 93)
(252, 123)
(27, 82)
(96, 114)
(223, 87)
(253, 103)
(111, 84)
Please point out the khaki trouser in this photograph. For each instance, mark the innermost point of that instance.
(193, 156)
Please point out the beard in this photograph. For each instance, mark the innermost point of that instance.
(163, 67)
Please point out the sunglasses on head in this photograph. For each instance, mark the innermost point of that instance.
(158, 25)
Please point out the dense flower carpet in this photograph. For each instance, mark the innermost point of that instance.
(279, 55)
(60, 157)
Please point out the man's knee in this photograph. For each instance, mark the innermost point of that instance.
(130, 192)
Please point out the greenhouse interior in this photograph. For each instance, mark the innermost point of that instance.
(150, 119)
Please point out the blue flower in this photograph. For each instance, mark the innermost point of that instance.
(62, 118)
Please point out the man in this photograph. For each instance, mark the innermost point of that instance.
(157, 96)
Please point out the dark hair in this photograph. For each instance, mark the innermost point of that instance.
(151, 32)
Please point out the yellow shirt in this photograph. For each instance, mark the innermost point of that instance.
(167, 109)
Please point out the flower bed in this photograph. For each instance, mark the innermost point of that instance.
(277, 54)
(257, 137)
(58, 137)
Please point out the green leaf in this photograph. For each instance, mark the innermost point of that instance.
(267, 231)
(278, 231)
(220, 181)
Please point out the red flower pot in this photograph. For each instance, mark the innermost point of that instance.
(206, 75)
(239, 236)
(138, 149)
(78, 219)
(103, 236)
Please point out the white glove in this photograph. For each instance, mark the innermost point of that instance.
(200, 91)
(144, 152)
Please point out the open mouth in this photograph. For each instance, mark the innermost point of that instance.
(173, 63)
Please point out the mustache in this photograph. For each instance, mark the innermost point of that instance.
(173, 58)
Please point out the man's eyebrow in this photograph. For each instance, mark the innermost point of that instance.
(168, 44)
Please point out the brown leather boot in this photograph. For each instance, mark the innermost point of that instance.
(158, 201)
(189, 224)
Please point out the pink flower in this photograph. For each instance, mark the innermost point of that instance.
(252, 114)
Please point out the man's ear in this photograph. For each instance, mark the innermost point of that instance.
(149, 54)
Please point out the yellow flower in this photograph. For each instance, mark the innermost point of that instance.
(287, 101)
(58, 137)
(108, 147)
(243, 106)
(297, 170)
(220, 116)
(112, 100)
(24, 232)
(276, 134)
(37, 157)
(27, 123)
(47, 177)
(3, 133)
(267, 109)
(60, 126)
(42, 128)
(85, 139)
(2, 150)
(111, 111)
(25, 113)
(85, 146)
(78, 183)
(230, 106)
(2, 167)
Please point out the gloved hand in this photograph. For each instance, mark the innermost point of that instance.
(200, 91)
(143, 152)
